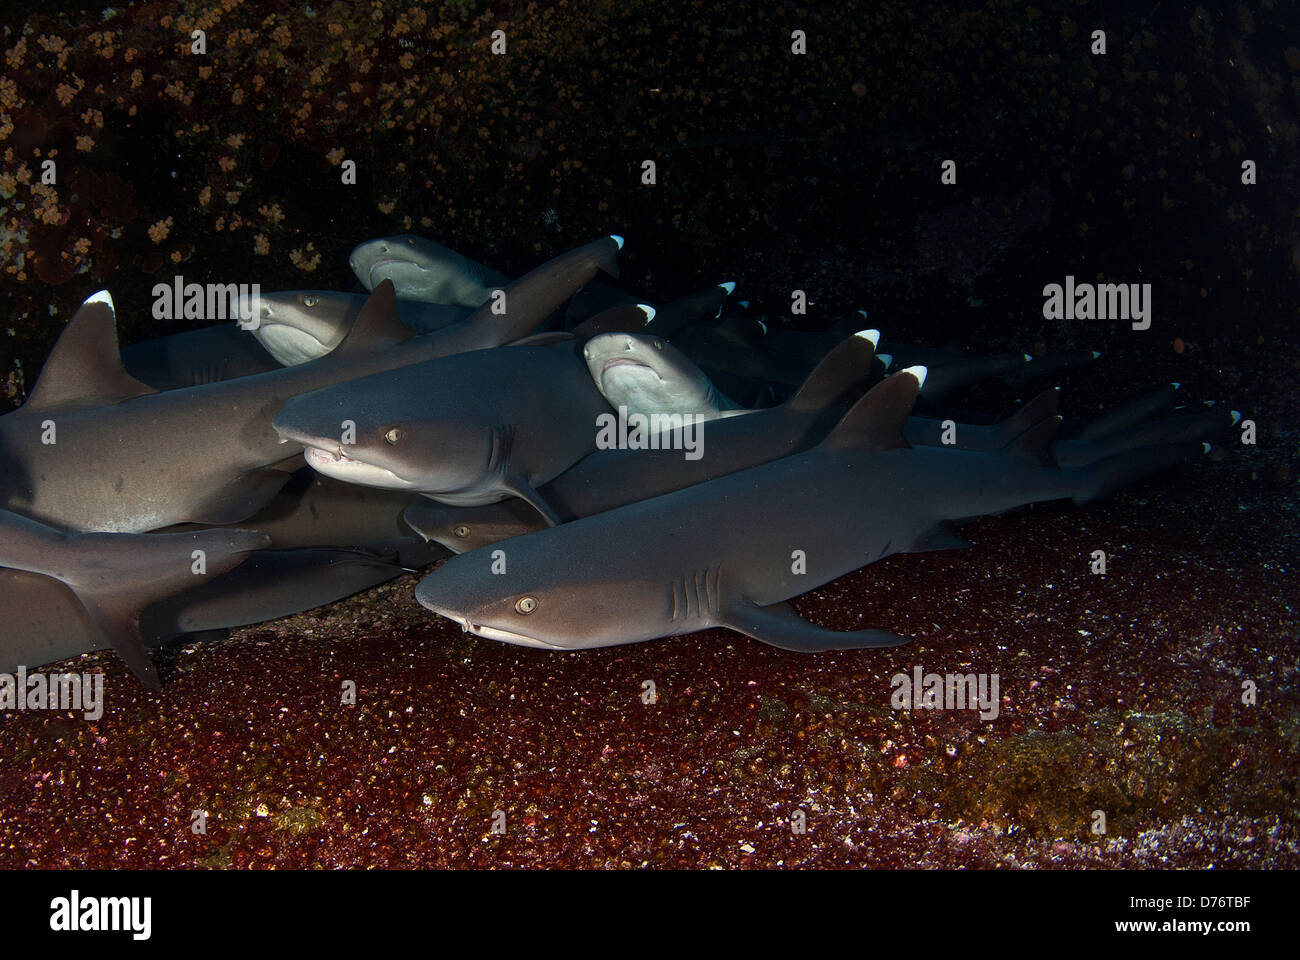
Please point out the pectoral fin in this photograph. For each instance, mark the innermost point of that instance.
(522, 489)
(779, 626)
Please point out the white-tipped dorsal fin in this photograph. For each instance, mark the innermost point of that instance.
(85, 367)
(872, 335)
(648, 310)
(876, 421)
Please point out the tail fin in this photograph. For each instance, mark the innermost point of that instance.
(696, 308)
(1185, 428)
(537, 294)
(1130, 413)
(844, 369)
(1104, 477)
(956, 374)
(116, 575)
(876, 421)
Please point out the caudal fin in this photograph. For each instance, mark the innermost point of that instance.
(116, 575)
(1104, 477)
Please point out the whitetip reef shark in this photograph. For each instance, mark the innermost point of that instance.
(423, 270)
(95, 449)
(646, 375)
(696, 558)
(433, 428)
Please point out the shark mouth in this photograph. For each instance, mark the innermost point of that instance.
(615, 362)
(315, 455)
(333, 462)
(496, 633)
(506, 636)
(389, 262)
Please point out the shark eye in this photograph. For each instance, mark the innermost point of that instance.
(659, 344)
(461, 530)
(526, 605)
(410, 243)
(310, 301)
(394, 435)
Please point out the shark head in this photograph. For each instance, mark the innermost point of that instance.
(412, 263)
(300, 325)
(534, 605)
(648, 375)
(379, 431)
(461, 529)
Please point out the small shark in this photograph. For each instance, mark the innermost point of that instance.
(470, 429)
(296, 326)
(732, 551)
(647, 375)
(423, 270)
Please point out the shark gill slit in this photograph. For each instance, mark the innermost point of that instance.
(701, 594)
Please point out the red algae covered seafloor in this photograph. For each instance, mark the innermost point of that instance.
(1119, 693)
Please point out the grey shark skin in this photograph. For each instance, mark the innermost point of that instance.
(432, 428)
(45, 622)
(698, 559)
(195, 357)
(423, 270)
(296, 326)
(127, 459)
(613, 478)
(115, 576)
(697, 307)
(647, 375)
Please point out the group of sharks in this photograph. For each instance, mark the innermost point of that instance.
(243, 472)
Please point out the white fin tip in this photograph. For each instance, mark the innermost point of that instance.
(648, 310)
(617, 239)
(102, 296)
(872, 335)
(917, 371)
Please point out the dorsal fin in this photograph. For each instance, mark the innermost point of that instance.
(1034, 445)
(376, 325)
(1041, 407)
(847, 366)
(742, 327)
(876, 421)
(625, 318)
(85, 367)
